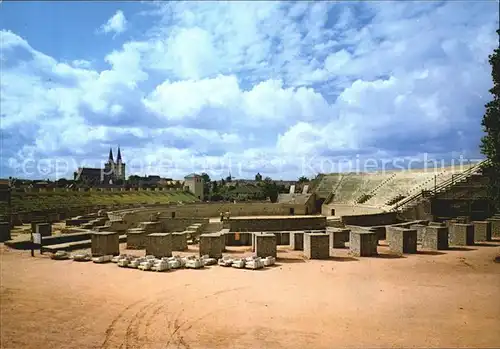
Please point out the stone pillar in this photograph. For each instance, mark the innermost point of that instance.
(317, 246)
(420, 231)
(297, 240)
(338, 237)
(435, 238)
(363, 243)
(44, 229)
(4, 231)
(402, 240)
(105, 243)
(482, 231)
(179, 242)
(211, 245)
(136, 239)
(461, 234)
(495, 227)
(265, 245)
(159, 245)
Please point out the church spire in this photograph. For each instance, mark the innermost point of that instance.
(110, 155)
(119, 158)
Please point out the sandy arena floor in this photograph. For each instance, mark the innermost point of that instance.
(426, 300)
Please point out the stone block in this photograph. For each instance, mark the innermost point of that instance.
(482, 231)
(211, 245)
(338, 237)
(461, 234)
(44, 229)
(363, 243)
(265, 245)
(297, 240)
(179, 241)
(105, 243)
(495, 227)
(285, 238)
(159, 245)
(402, 240)
(136, 239)
(151, 227)
(437, 224)
(317, 246)
(4, 231)
(435, 238)
(36, 221)
(420, 231)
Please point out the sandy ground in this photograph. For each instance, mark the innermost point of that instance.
(430, 299)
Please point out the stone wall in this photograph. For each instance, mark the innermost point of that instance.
(159, 245)
(211, 245)
(277, 223)
(265, 245)
(366, 220)
(105, 243)
(317, 246)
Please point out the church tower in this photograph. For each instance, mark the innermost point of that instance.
(120, 166)
(109, 168)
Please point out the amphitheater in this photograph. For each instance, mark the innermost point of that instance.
(355, 260)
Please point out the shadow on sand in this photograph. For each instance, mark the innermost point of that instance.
(456, 248)
(431, 253)
(486, 244)
(289, 260)
(343, 259)
(389, 256)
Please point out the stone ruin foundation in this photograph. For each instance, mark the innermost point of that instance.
(402, 240)
(461, 234)
(363, 243)
(482, 231)
(151, 227)
(317, 246)
(105, 243)
(179, 241)
(435, 237)
(136, 239)
(297, 240)
(4, 231)
(420, 231)
(495, 227)
(159, 245)
(44, 229)
(211, 245)
(338, 237)
(265, 245)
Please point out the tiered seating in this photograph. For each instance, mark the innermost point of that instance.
(403, 184)
(328, 184)
(36, 201)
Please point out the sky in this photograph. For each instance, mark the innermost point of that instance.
(281, 88)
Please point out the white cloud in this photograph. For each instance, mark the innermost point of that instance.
(117, 24)
(261, 85)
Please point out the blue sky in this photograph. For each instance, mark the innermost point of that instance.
(283, 88)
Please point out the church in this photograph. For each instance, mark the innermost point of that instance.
(112, 173)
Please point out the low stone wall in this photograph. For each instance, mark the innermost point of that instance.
(366, 220)
(180, 224)
(277, 223)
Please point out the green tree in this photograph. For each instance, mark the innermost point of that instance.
(206, 185)
(490, 143)
(258, 177)
(303, 179)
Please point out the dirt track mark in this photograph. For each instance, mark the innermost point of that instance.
(176, 326)
(112, 327)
